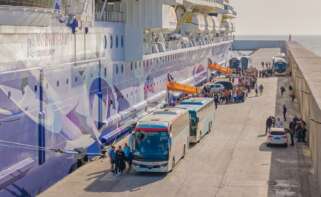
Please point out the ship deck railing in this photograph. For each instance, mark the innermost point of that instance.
(172, 45)
(110, 16)
(49, 4)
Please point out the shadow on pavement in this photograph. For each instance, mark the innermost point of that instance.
(107, 182)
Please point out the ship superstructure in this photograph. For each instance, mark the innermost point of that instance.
(72, 71)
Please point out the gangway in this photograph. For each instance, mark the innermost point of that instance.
(221, 69)
(178, 87)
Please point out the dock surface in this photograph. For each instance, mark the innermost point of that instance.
(233, 160)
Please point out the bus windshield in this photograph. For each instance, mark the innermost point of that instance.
(151, 146)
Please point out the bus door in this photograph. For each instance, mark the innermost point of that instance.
(193, 123)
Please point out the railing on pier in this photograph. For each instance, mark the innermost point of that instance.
(29, 3)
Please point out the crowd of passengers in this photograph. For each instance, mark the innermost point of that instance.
(245, 85)
(266, 71)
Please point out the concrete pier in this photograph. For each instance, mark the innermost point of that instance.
(231, 161)
(306, 74)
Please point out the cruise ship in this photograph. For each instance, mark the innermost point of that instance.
(73, 73)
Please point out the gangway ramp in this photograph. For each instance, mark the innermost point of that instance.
(178, 87)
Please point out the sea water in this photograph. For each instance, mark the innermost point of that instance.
(311, 42)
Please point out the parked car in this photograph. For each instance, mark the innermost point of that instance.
(277, 136)
(214, 88)
(226, 84)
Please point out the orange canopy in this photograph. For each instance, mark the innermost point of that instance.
(173, 86)
(220, 68)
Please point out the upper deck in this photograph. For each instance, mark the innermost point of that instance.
(54, 12)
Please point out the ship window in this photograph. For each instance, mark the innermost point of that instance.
(9, 94)
(58, 83)
(122, 68)
(135, 65)
(116, 69)
(131, 66)
(111, 41)
(116, 41)
(105, 72)
(35, 88)
(122, 41)
(76, 79)
(67, 81)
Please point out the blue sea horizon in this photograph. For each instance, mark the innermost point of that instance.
(312, 42)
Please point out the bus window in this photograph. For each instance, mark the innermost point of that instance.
(151, 146)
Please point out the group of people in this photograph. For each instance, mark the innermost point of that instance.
(267, 70)
(298, 130)
(297, 127)
(119, 157)
(236, 95)
(246, 83)
(291, 92)
(275, 122)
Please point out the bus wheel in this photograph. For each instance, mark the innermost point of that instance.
(184, 151)
(173, 164)
(210, 127)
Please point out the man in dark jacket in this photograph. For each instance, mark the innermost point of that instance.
(268, 124)
(120, 161)
(282, 90)
(292, 127)
(285, 110)
(216, 100)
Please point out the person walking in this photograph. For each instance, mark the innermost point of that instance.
(216, 100)
(285, 110)
(273, 121)
(302, 130)
(282, 89)
(268, 124)
(120, 161)
(292, 126)
(256, 91)
(261, 89)
(299, 131)
(128, 155)
(112, 157)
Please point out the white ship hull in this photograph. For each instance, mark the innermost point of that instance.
(60, 90)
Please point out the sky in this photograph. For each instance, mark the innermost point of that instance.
(277, 17)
